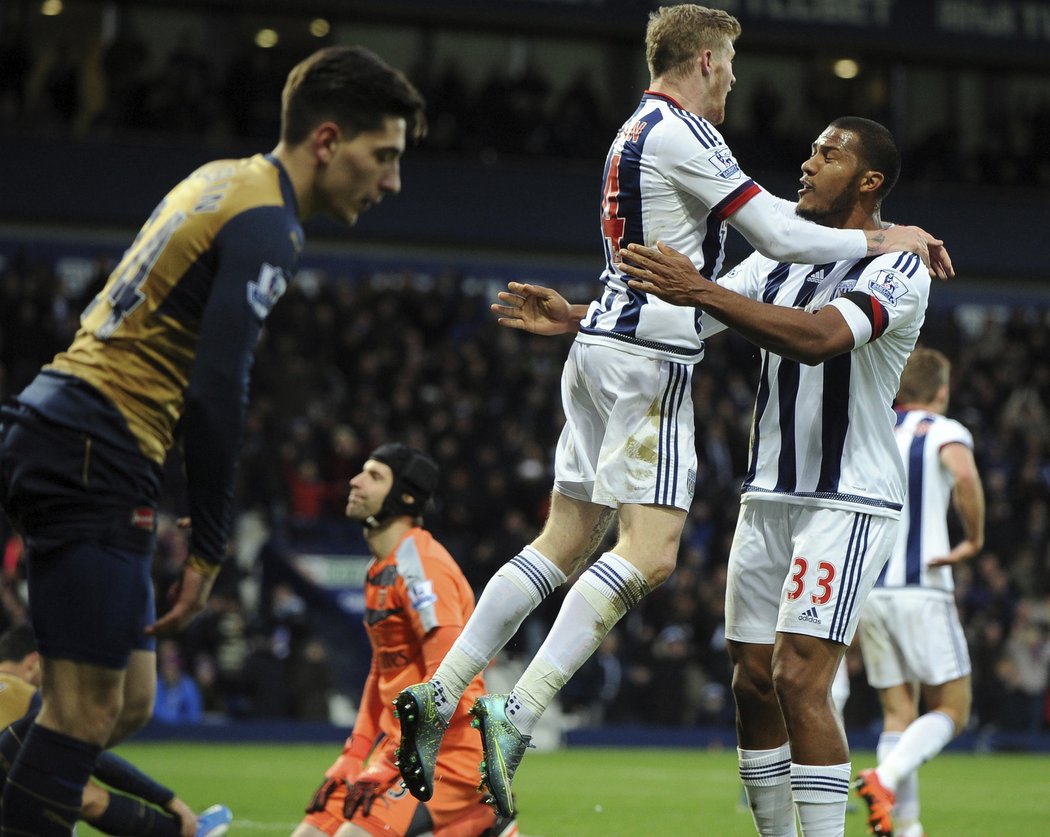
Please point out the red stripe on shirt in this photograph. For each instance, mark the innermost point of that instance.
(879, 320)
(738, 201)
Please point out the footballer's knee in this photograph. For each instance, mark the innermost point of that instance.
(962, 716)
(660, 569)
(952, 699)
(140, 689)
(89, 720)
(649, 538)
(802, 694)
(804, 667)
(752, 680)
(133, 717)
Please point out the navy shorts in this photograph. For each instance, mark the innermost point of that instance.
(86, 511)
(91, 602)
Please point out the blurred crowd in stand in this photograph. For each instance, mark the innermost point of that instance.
(350, 361)
(128, 87)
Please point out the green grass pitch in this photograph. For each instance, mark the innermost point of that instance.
(603, 792)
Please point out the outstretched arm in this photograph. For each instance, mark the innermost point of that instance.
(537, 309)
(764, 222)
(808, 337)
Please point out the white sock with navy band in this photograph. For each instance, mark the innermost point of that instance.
(596, 602)
(820, 792)
(766, 775)
(512, 593)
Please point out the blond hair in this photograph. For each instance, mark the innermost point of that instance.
(678, 34)
(926, 371)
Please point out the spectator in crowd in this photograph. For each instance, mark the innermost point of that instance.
(178, 698)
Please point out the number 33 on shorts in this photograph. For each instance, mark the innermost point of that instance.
(818, 579)
(823, 596)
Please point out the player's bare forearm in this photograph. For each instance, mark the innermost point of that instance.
(790, 332)
(577, 311)
(967, 492)
(968, 497)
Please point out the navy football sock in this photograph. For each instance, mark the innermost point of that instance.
(46, 783)
(126, 815)
(11, 742)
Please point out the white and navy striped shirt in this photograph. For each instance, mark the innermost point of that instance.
(669, 176)
(923, 532)
(823, 435)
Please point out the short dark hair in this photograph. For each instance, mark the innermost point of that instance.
(17, 643)
(353, 87)
(877, 150)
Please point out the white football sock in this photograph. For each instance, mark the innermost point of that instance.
(766, 775)
(600, 597)
(820, 793)
(512, 593)
(924, 738)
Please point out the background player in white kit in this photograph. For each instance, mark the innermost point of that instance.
(628, 442)
(910, 633)
(825, 486)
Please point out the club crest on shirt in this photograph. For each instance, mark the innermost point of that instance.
(888, 285)
(723, 161)
(264, 292)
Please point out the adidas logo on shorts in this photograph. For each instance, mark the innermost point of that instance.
(810, 616)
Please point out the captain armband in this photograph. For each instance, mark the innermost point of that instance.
(872, 309)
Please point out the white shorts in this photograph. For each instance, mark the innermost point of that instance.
(628, 435)
(802, 570)
(912, 635)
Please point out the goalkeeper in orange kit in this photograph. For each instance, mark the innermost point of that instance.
(416, 603)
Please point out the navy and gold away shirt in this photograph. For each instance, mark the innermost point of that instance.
(169, 340)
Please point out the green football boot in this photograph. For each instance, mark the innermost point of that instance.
(422, 729)
(503, 747)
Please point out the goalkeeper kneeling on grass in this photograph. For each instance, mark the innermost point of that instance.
(416, 603)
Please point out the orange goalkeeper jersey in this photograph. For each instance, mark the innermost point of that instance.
(416, 588)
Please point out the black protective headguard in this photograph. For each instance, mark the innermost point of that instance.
(415, 475)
